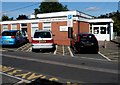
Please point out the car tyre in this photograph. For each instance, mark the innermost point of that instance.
(34, 50)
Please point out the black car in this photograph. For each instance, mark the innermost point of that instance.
(85, 42)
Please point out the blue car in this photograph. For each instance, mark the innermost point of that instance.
(12, 37)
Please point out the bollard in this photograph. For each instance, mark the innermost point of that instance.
(105, 44)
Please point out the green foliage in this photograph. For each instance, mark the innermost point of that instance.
(116, 17)
(20, 17)
(47, 7)
(6, 18)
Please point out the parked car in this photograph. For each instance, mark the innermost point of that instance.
(12, 37)
(42, 40)
(85, 42)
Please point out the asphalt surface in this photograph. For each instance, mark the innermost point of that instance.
(64, 68)
(73, 63)
(9, 80)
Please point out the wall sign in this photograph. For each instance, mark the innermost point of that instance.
(63, 28)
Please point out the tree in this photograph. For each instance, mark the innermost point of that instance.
(47, 7)
(5, 18)
(116, 17)
(20, 17)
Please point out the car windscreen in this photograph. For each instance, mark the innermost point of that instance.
(8, 33)
(88, 38)
(42, 35)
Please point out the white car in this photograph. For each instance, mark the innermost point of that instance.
(42, 40)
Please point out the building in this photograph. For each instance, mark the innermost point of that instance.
(59, 22)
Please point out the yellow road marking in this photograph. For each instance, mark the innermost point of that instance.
(53, 79)
(33, 76)
(5, 69)
(24, 75)
(43, 77)
(14, 71)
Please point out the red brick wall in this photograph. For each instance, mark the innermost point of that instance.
(75, 27)
(60, 38)
(9, 26)
(84, 27)
(40, 25)
(29, 31)
(18, 26)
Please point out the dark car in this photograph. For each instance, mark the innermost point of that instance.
(12, 37)
(85, 42)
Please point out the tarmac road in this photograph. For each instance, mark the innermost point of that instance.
(64, 68)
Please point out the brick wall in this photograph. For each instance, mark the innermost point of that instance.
(18, 26)
(9, 26)
(84, 27)
(60, 38)
(29, 31)
(40, 25)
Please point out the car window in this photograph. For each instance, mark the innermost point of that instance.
(87, 38)
(42, 35)
(8, 33)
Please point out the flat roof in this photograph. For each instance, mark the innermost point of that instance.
(101, 20)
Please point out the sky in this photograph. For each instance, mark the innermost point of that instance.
(14, 8)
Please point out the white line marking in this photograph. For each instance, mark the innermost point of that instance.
(90, 58)
(63, 50)
(64, 64)
(104, 56)
(55, 50)
(15, 77)
(70, 51)
(29, 50)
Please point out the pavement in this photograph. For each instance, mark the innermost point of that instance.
(110, 49)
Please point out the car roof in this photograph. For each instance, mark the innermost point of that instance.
(42, 31)
(11, 30)
(85, 34)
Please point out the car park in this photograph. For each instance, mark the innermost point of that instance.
(43, 40)
(84, 42)
(12, 38)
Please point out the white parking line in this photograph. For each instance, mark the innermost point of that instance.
(70, 51)
(104, 56)
(15, 77)
(55, 50)
(63, 50)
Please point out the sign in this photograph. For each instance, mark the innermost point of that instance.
(63, 28)
(70, 20)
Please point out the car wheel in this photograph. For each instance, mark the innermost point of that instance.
(17, 44)
(33, 50)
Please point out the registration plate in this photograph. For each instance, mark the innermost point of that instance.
(5, 41)
(89, 44)
(42, 41)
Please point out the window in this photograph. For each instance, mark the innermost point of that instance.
(8, 33)
(34, 27)
(23, 25)
(42, 35)
(96, 30)
(47, 25)
(14, 27)
(4, 27)
(103, 30)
